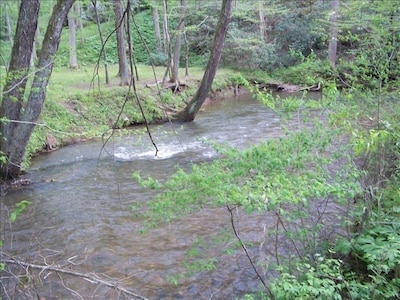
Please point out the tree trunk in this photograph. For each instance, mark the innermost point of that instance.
(333, 41)
(73, 60)
(186, 55)
(78, 18)
(14, 88)
(156, 23)
(16, 133)
(190, 111)
(165, 27)
(122, 59)
(178, 43)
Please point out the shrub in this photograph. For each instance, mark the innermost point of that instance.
(158, 59)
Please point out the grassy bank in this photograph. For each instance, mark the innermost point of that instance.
(79, 105)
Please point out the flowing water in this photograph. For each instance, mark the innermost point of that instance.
(80, 215)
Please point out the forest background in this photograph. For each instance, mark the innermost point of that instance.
(350, 48)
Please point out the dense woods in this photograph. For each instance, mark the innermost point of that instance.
(349, 49)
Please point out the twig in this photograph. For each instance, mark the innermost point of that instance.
(90, 278)
(38, 124)
(21, 81)
(247, 252)
(68, 288)
(286, 230)
(277, 241)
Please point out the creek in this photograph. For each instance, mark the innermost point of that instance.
(80, 215)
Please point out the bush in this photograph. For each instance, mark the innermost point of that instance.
(310, 71)
(159, 59)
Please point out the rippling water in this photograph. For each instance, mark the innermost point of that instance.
(80, 215)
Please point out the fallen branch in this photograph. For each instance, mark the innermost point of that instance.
(153, 84)
(90, 278)
(312, 88)
(169, 108)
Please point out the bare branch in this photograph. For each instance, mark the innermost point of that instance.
(90, 278)
(230, 209)
(38, 124)
(24, 78)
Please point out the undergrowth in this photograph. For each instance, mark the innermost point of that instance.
(327, 154)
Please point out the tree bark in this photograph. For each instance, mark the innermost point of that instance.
(178, 42)
(14, 88)
(333, 40)
(165, 27)
(78, 16)
(73, 60)
(186, 55)
(16, 137)
(190, 111)
(122, 58)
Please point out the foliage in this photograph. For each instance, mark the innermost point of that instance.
(244, 50)
(263, 177)
(324, 279)
(281, 176)
(296, 31)
(267, 177)
(379, 248)
(372, 250)
(368, 36)
(374, 29)
(20, 207)
(89, 45)
(309, 71)
(158, 59)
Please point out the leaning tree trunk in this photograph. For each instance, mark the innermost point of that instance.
(14, 88)
(190, 111)
(16, 140)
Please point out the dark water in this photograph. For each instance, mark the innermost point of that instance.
(80, 215)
